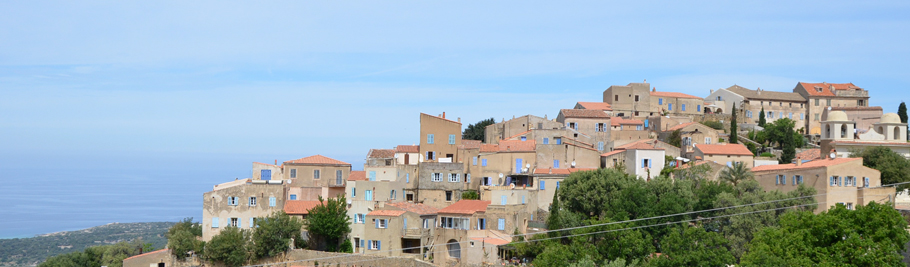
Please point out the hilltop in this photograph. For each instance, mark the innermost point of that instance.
(33, 250)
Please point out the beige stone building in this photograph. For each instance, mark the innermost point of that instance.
(239, 203)
(692, 133)
(590, 122)
(506, 129)
(750, 103)
(820, 96)
(836, 181)
(398, 229)
(441, 183)
(672, 103)
(439, 138)
(641, 158)
(839, 135)
(548, 180)
(724, 154)
(464, 236)
(639, 100)
(316, 172)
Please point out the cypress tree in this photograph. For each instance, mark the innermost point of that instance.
(902, 112)
(734, 136)
(761, 118)
(554, 222)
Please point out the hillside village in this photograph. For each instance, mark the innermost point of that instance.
(410, 200)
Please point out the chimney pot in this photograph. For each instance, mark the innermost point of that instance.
(443, 114)
(799, 161)
(459, 119)
(276, 162)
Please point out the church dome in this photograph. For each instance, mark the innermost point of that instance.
(890, 118)
(838, 116)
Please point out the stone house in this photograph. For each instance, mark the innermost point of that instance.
(439, 138)
(837, 181)
(238, 203)
(673, 103)
(506, 163)
(820, 96)
(407, 159)
(469, 155)
(590, 122)
(724, 154)
(750, 103)
(627, 130)
(641, 158)
(839, 135)
(463, 232)
(316, 172)
(692, 133)
(440, 183)
(632, 100)
(505, 129)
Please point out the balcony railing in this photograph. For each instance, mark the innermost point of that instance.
(412, 232)
(507, 187)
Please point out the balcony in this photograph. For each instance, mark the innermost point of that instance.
(415, 233)
(507, 187)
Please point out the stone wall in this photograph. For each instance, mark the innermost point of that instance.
(301, 257)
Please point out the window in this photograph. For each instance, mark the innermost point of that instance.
(407, 177)
(572, 125)
(483, 162)
(828, 102)
(293, 173)
(272, 202)
(865, 181)
(293, 196)
(503, 200)
(718, 98)
(374, 245)
(426, 223)
(215, 222)
(429, 138)
(546, 141)
(748, 114)
(381, 223)
(698, 108)
(431, 155)
(316, 174)
(368, 195)
(232, 201)
(797, 179)
(660, 101)
(235, 222)
(637, 127)
(790, 116)
(486, 181)
(252, 201)
(781, 179)
(475, 161)
(338, 179)
(616, 98)
(557, 184)
(849, 181)
(363, 218)
(801, 116)
(451, 139)
(524, 138)
(849, 205)
(448, 195)
(453, 177)
(646, 163)
(523, 200)
(354, 192)
(502, 224)
(558, 140)
(816, 115)
(372, 175)
(555, 163)
(816, 102)
(770, 114)
(543, 185)
(832, 181)
(437, 177)
(357, 218)
(252, 222)
(600, 127)
(636, 98)
(481, 224)
(708, 140)
(467, 178)
(265, 174)
(393, 195)
(682, 107)
(670, 106)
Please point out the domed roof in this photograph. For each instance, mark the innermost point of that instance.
(838, 116)
(891, 118)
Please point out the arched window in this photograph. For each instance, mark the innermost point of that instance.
(454, 249)
(843, 131)
(828, 131)
(897, 133)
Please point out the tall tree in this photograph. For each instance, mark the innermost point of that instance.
(734, 135)
(893, 166)
(692, 246)
(229, 247)
(675, 138)
(761, 118)
(736, 173)
(328, 224)
(902, 112)
(789, 145)
(273, 234)
(476, 131)
(181, 238)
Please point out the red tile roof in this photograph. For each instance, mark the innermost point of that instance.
(517, 135)
(317, 160)
(596, 105)
(560, 171)
(673, 94)
(825, 88)
(357, 176)
(441, 118)
(298, 207)
(583, 113)
(810, 154)
(470, 144)
(415, 208)
(489, 148)
(381, 153)
(678, 127)
(808, 165)
(724, 149)
(616, 121)
(466, 207)
(147, 253)
(491, 240)
(394, 213)
(517, 146)
(407, 149)
(611, 153)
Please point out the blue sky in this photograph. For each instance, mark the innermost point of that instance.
(227, 82)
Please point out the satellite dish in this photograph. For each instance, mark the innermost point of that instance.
(573, 164)
(500, 175)
(833, 155)
(528, 165)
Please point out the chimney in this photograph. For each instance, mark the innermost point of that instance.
(459, 119)
(443, 114)
(276, 162)
(799, 161)
(712, 91)
(654, 89)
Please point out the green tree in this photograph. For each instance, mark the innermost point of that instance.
(114, 255)
(328, 224)
(716, 125)
(736, 173)
(476, 131)
(229, 247)
(789, 145)
(668, 169)
(893, 166)
(872, 235)
(734, 135)
(902, 112)
(470, 194)
(675, 138)
(692, 246)
(761, 118)
(273, 234)
(182, 238)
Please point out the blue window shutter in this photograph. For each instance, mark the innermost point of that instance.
(265, 174)
(503, 198)
(524, 138)
(372, 175)
(649, 163)
(429, 138)
(361, 243)
(698, 108)
(239, 222)
(378, 245)
(271, 201)
(777, 180)
(546, 141)
(451, 139)
(670, 106)
(370, 243)
(522, 199)
(407, 177)
(405, 221)
(252, 222)
(683, 108)
(517, 165)
(543, 185)
(502, 224)
(215, 222)
(866, 180)
(660, 101)
(646, 123)
(643, 163)
(555, 163)
(557, 184)
(475, 161)
(376, 223)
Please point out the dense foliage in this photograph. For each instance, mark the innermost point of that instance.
(229, 247)
(470, 194)
(893, 166)
(476, 131)
(107, 255)
(675, 138)
(273, 234)
(734, 135)
(182, 238)
(328, 224)
(716, 125)
(34, 250)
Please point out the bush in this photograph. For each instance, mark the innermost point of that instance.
(228, 247)
(767, 154)
(714, 124)
(470, 194)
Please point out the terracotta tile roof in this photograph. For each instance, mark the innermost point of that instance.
(317, 160)
(357, 176)
(517, 135)
(491, 240)
(679, 127)
(616, 121)
(642, 146)
(769, 95)
(466, 207)
(560, 171)
(298, 207)
(147, 253)
(583, 113)
(673, 94)
(810, 154)
(824, 88)
(698, 158)
(489, 148)
(517, 146)
(724, 149)
(393, 213)
(611, 153)
(407, 149)
(381, 153)
(441, 118)
(415, 208)
(633, 143)
(596, 105)
(470, 144)
(808, 165)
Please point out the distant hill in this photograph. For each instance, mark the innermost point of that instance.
(30, 251)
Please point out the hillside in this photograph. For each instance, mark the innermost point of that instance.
(30, 251)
